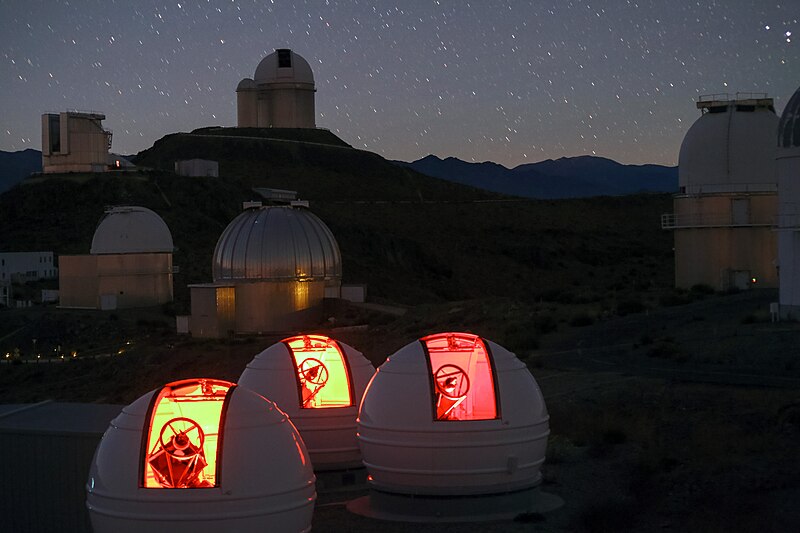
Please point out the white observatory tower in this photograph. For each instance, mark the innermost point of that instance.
(727, 201)
(280, 95)
(788, 163)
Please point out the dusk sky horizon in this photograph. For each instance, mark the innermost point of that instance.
(512, 82)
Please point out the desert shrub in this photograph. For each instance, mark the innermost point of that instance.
(701, 288)
(674, 298)
(581, 320)
(627, 307)
(610, 515)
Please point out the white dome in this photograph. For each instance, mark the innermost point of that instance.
(453, 414)
(730, 148)
(131, 230)
(283, 65)
(244, 462)
(277, 243)
(319, 383)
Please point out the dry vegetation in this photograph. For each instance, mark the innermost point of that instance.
(670, 410)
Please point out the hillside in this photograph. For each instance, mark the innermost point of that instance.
(567, 177)
(16, 166)
(412, 238)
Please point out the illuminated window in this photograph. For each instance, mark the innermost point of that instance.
(183, 441)
(462, 377)
(323, 377)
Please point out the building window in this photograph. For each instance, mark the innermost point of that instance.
(54, 123)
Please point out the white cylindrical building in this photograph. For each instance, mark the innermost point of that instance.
(450, 416)
(727, 201)
(788, 163)
(280, 94)
(129, 263)
(201, 455)
(318, 382)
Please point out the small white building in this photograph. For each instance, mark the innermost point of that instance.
(197, 168)
(788, 162)
(280, 95)
(26, 266)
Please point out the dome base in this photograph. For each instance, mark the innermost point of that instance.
(449, 509)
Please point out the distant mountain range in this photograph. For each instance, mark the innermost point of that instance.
(16, 166)
(567, 177)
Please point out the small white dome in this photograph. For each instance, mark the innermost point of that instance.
(453, 414)
(244, 462)
(283, 65)
(319, 383)
(277, 243)
(131, 230)
(730, 148)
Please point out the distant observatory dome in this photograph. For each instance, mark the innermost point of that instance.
(452, 415)
(319, 383)
(276, 243)
(283, 65)
(130, 230)
(280, 95)
(789, 127)
(731, 147)
(201, 455)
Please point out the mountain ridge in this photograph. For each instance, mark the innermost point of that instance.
(565, 177)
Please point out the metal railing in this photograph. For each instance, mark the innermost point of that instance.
(713, 220)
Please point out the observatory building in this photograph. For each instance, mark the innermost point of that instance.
(319, 383)
(244, 463)
(272, 268)
(129, 264)
(280, 95)
(788, 163)
(74, 142)
(727, 202)
(449, 416)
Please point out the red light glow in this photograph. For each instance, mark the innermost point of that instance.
(322, 373)
(462, 377)
(183, 435)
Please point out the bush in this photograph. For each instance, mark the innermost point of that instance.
(627, 307)
(581, 319)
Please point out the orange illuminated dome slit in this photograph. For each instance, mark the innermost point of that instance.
(184, 434)
(462, 377)
(323, 375)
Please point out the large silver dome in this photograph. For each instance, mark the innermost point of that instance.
(130, 229)
(277, 243)
(789, 127)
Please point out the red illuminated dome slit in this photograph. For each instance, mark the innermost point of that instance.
(462, 377)
(323, 378)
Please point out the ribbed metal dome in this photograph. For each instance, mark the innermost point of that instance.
(789, 126)
(277, 243)
(131, 229)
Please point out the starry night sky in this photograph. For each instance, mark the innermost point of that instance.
(506, 81)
